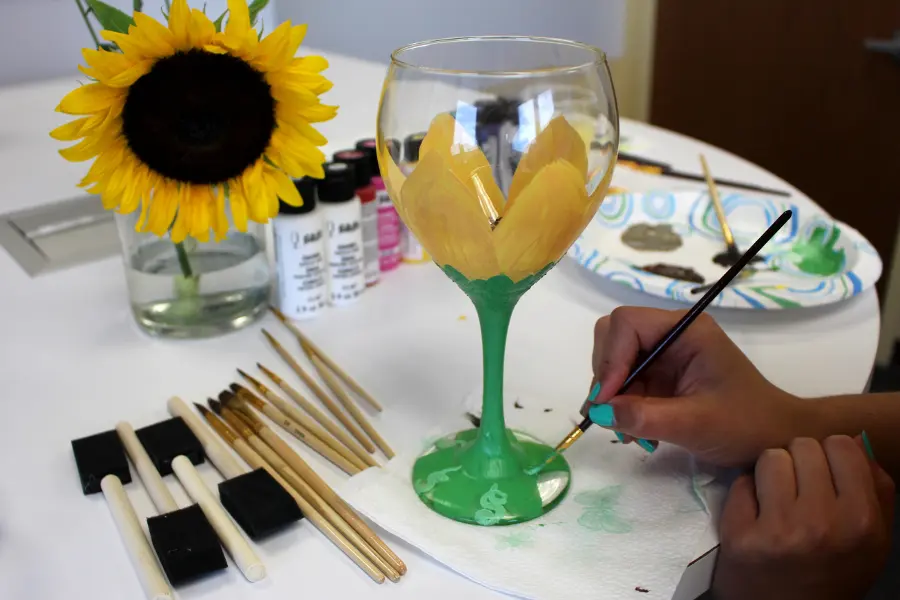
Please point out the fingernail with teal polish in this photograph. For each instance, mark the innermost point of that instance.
(595, 391)
(603, 415)
(868, 445)
(620, 436)
(646, 445)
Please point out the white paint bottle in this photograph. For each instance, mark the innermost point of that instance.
(341, 212)
(300, 255)
(365, 191)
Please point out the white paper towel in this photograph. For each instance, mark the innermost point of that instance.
(628, 527)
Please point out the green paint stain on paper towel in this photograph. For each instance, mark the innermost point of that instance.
(601, 510)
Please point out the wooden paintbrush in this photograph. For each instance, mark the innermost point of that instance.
(305, 472)
(251, 448)
(332, 427)
(240, 405)
(298, 417)
(309, 346)
(323, 396)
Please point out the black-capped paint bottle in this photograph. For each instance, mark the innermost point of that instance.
(412, 250)
(343, 232)
(365, 191)
(300, 255)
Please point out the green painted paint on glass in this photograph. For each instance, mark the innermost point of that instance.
(481, 475)
(817, 255)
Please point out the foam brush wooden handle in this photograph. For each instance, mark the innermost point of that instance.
(139, 551)
(217, 453)
(234, 542)
(150, 477)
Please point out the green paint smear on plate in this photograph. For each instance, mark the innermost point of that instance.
(782, 302)
(817, 256)
(482, 476)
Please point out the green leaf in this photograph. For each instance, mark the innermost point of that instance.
(255, 8)
(218, 22)
(110, 17)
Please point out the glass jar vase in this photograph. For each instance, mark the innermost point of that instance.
(195, 289)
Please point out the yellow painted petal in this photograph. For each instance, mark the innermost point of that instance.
(89, 99)
(558, 140)
(547, 218)
(447, 220)
(447, 136)
(393, 177)
(180, 24)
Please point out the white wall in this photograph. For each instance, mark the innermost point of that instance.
(373, 28)
(42, 39)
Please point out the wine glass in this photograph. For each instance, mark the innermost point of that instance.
(496, 178)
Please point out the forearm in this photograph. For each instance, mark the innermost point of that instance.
(876, 414)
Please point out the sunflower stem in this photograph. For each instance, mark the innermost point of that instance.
(183, 260)
(87, 21)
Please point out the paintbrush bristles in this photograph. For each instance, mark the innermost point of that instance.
(262, 389)
(218, 425)
(215, 406)
(269, 374)
(247, 396)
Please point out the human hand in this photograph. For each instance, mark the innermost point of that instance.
(701, 393)
(813, 521)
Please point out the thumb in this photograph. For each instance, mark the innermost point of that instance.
(665, 419)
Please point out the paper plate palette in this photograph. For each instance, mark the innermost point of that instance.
(663, 243)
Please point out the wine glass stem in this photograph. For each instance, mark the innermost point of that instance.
(494, 318)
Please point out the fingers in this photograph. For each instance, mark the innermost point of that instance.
(741, 508)
(812, 472)
(776, 484)
(884, 486)
(851, 472)
(673, 420)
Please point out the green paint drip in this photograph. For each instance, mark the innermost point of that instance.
(482, 475)
(817, 256)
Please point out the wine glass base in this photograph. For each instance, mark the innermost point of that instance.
(445, 480)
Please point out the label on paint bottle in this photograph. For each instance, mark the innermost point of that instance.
(372, 267)
(389, 227)
(346, 281)
(300, 257)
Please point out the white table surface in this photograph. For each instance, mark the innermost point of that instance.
(72, 363)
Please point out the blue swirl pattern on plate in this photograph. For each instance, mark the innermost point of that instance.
(785, 281)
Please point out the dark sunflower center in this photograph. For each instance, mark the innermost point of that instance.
(199, 117)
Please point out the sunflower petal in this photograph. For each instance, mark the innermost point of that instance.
(271, 52)
(71, 131)
(201, 29)
(180, 229)
(287, 191)
(558, 140)
(129, 76)
(89, 99)
(220, 218)
(180, 24)
(154, 34)
(238, 206)
(548, 216)
(308, 64)
(448, 220)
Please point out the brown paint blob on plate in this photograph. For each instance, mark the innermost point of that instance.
(675, 272)
(651, 238)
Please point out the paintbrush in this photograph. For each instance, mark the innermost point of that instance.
(309, 346)
(319, 417)
(318, 484)
(297, 417)
(258, 455)
(240, 405)
(680, 327)
(321, 394)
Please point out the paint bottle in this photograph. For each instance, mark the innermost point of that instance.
(343, 246)
(300, 255)
(365, 191)
(389, 225)
(412, 250)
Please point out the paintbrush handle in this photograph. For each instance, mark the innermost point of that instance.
(330, 496)
(332, 427)
(143, 559)
(217, 453)
(325, 399)
(307, 437)
(311, 348)
(354, 411)
(292, 413)
(237, 546)
(263, 456)
(150, 477)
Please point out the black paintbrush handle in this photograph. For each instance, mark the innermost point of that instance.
(725, 183)
(699, 307)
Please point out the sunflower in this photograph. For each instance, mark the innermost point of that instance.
(183, 119)
(454, 207)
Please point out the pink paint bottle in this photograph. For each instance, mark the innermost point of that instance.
(389, 225)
